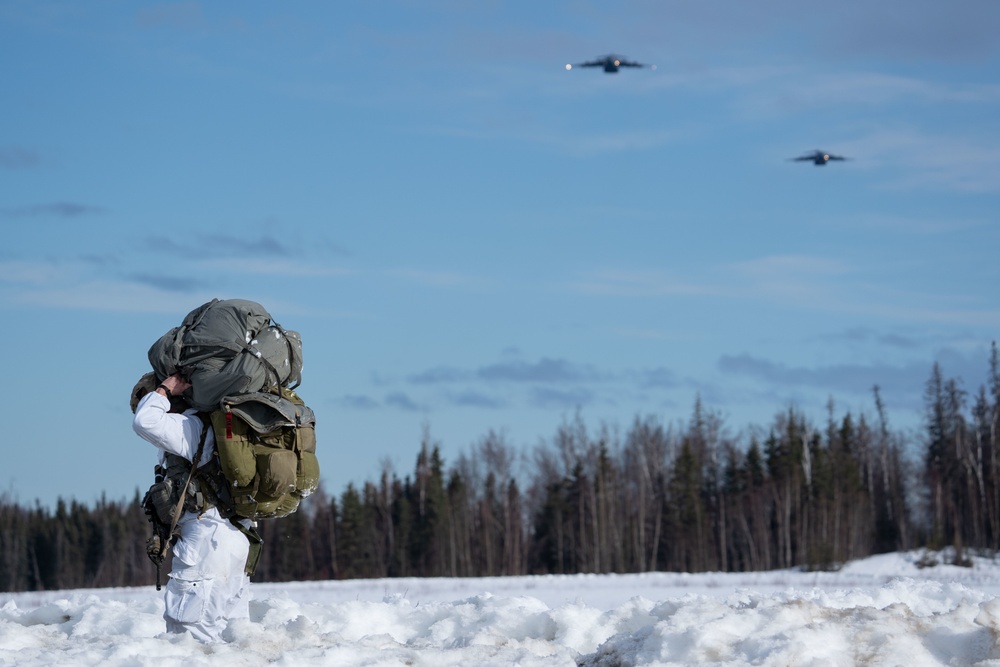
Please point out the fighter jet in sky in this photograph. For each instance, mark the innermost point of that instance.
(818, 158)
(611, 63)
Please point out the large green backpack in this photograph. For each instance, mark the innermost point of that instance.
(267, 450)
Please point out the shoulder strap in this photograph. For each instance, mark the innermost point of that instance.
(194, 466)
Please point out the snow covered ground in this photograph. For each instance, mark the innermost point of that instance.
(880, 611)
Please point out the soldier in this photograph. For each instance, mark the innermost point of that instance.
(208, 584)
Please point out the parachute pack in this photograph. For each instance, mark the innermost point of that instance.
(227, 348)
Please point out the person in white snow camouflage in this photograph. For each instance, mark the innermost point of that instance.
(208, 585)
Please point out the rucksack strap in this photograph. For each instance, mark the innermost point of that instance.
(291, 353)
(256, 544)
(269, 367)
(180, 503)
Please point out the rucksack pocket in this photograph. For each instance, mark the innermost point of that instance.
(305, 439)
(236, 454)
(288, 505)
(277, 470)
(307, 477)
(266, 507)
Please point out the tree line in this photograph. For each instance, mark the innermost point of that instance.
(676, 497)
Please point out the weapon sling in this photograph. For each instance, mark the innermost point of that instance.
(180, 503)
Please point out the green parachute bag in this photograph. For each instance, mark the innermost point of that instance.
(267, 450)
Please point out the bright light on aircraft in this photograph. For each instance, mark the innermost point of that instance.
(819, 158)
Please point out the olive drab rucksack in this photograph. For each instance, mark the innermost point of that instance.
(267, 450)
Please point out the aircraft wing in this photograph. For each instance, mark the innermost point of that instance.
(609, 63)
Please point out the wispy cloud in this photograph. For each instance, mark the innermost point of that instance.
(869, 335)
(169, 283)
(476, 399)
(912, 225)
(782, 267)
(31, 272)
(436, 278)
(358, 402)
(402, 401)
(801, 277)
(273, 267)
(185, 16)
(16, 157)
(545, 383)
(53, 210)
(615, 142)
(834, 286)
(548, 397)
(660, 377)
(927, 31)
(854, 378)
(801, 281)
(441, 375)
(543, 371)
(777, 276)
(930, 161)
(745, 380)
(651, 283)
(901, 385)
(798, 90)
(726, 77)
(220, 246)
(105, 296)
(581, 145)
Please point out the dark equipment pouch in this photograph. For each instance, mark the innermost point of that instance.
(159, 505)
(160, 502)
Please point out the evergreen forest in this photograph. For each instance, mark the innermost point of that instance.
(689, 497)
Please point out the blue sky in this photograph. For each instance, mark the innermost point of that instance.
(471, 238)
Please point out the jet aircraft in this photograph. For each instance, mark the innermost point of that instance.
(611, 63)
(818, 158)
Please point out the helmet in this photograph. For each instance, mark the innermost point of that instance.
(146, 384)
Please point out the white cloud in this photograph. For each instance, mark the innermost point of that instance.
(436, 278)
(789, 267)
(106, 296)
(649, 283)
(33, 273)
(802, 89)
(814, 283)
(909, 158)
(270, 267)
